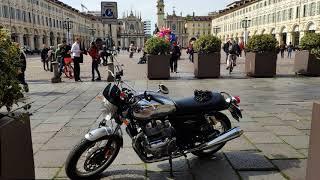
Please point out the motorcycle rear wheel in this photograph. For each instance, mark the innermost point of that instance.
(83, 147)
(226, 125)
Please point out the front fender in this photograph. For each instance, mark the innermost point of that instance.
(102, 132)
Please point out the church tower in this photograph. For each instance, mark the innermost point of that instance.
(160, 13)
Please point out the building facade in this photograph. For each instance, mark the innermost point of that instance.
(131, 31)
(147, 28)
(287, 20)
(198, 26)
(33, 23)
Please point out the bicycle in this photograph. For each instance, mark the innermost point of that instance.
(231, 63)
(68, 69)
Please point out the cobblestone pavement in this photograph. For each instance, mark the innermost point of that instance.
(277, 120)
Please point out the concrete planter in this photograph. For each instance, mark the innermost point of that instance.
(261, 64)
(314, 145)
(306, 63)
(158, 66)
(207, 65)
(16, 153)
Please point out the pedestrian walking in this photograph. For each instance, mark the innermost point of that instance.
(290, 49)
(50, 57)
(22, 68)
(190, 51)
(44, 57)
(65, 53)
(76, 54)
(282, 49)
(176, 53)
(94, 53)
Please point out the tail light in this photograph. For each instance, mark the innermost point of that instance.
(237, 98)
(122, 96)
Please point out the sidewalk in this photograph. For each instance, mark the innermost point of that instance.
(277, 114)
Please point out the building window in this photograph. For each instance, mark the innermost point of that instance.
(24, 16)
(278, 17)
(313, 9)
(12, 13)
(318, 7)
(47, 22)
(18, 14)
(290, 14)
(38, 17)
(305, 10)
(29, 17)
(284, 15)
(5, 12)
(298, 12)
(34, 18)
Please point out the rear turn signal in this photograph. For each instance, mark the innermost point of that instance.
(237, 99)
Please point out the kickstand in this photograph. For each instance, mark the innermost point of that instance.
(170, 162)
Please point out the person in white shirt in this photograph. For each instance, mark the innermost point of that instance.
(76, 54)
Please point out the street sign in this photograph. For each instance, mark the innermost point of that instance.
(109, 12)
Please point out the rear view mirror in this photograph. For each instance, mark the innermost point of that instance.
(163, 89)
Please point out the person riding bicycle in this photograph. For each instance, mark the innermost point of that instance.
(233, 51)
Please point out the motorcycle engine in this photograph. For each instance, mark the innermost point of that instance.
(160, 140)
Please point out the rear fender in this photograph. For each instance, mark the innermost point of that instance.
(103, 132)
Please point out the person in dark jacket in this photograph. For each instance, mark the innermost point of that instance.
(44, 57)
(22, 69)
(226, 48)
(176, 53)
(94, 53)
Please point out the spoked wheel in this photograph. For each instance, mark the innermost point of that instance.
(68, 71)
(223, 124)
(90, 158)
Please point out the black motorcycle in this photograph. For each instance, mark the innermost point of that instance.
(160, 128)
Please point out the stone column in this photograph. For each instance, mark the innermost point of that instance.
(127, 42)
(138, 42)
(40, 41)
(122, 42)
(278, 38)
(31, 41)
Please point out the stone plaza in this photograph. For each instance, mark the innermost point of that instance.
(276, 122)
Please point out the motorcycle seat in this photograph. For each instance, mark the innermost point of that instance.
(191, 106)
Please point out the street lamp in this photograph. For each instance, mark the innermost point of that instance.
(68, 25)
(93, 31)
(216, 30)
(245, 24)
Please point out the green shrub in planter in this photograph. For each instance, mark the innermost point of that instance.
(311, 42)
(207, 44)
(157, 46)
(10, 90)
(262, 43)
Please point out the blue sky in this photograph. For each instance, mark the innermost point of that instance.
(148, 7)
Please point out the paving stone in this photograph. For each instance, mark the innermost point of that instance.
(35, 123)
(41, 137)
(36, 147)
(48, 127)
(279, 151)
(284, 130)
(302, 125)
(62, 173)
(246, 160)
(58, 119)
(46, 173)
(304, 152)
(167, 176)
(127, 156)
(262, 137)
(265, 121)
(288, 116)
(73, 131)
(125, 172)
(239, 144)
(294, 169)
(261, 175)
(179, 165)
(80, 122)
(61, 143)
(254, 114)
(85, 115)
(51, 158)
(215, 168)
(251, 126)
(298, 142)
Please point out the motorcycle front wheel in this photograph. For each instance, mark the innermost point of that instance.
(90, 158)
(223, 124)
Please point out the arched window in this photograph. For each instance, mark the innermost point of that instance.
(131, 27)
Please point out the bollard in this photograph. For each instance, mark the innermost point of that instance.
(314, 145)
(56, 75)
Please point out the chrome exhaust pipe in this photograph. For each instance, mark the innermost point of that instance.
(225, 137)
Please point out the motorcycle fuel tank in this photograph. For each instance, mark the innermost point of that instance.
(146, 110)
